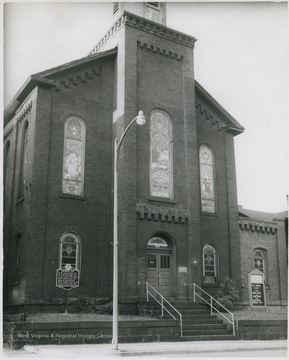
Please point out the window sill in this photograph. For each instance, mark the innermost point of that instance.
(216, 285)
(162, 200)
(72, 197)
(210, 214)
(19, 200)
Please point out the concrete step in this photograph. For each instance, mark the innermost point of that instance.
(206, 332)
(202, 321)
(194, 312)
(178, 307)
(191, 317)
(208, 337)
(204, 327)
(189, 307)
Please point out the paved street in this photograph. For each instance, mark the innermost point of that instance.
(148, 351)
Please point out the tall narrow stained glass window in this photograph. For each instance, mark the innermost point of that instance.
(70, 251)
(209, 264)
(5, 177)
(207, 179)
(74, 156)
(18, 257)
(23, 161)
(161, 164)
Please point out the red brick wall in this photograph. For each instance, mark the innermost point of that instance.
(267, 236)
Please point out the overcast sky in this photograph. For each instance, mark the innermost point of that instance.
(241, 58)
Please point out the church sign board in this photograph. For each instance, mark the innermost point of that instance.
(257, 288)
(67, 278)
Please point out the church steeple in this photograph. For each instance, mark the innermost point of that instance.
(154, 11)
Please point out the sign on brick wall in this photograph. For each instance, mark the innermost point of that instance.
(67, 278)
(257, 288)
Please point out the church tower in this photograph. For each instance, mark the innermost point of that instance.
(154, 11)
(154, 73)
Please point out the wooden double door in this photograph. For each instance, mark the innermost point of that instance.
(159, 271)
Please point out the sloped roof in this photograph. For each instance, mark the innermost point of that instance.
(232, 124)
(42, 78)
(260, 215)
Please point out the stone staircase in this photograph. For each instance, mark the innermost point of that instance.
(198, 323)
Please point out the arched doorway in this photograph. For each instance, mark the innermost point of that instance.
(160, 264)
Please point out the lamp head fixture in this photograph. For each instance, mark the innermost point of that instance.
(140, 119)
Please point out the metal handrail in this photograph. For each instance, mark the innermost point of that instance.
(213, 307)
(162, 304)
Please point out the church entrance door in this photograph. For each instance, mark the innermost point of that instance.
(159, 266)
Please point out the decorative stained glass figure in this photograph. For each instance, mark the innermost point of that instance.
(207, 179)
(73, 160)
(161, 155)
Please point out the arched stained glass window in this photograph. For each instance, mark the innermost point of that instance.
(18, 257)
(70, 251)
(157, 242)
(207, 179)
(23, 161)
(5, 178)
(74, 156)
(209, 264)
(259, 260)
(161, 164)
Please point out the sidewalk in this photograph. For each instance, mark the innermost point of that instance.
(194, 347)
(141, 350)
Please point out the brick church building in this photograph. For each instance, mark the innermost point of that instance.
(178, 219)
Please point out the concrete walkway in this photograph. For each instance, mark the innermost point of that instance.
(194, 347)
(142, 350)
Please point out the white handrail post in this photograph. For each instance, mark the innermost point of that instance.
(147, 290)
(194, 290)
(211, 306)
(162, 306)
(233, 324)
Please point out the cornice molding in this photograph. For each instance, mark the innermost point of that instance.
(77, 78)
(209, 116)
(156, 49)
(147, 26)
(162, 213)
(24, 112)
(8, 131)
(258, 226)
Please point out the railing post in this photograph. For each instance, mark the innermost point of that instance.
(194, 290)
(162, 306)
(147, 290)
(211, 305)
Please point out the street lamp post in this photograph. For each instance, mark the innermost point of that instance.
(140, 120)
